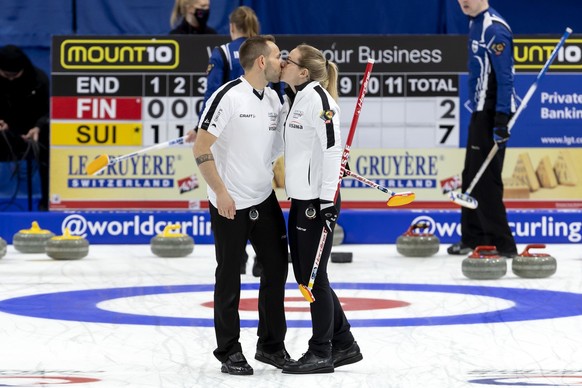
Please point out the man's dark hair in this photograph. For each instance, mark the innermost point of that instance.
(254, 47)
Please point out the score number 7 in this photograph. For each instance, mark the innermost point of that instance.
(449, 106)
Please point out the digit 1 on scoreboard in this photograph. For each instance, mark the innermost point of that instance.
(156, 129)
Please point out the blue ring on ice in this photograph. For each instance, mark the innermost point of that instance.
(530, 381)
(82, 306)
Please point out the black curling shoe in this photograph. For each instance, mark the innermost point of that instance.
(236, 364)
(346, 356)
(309, 363)
(277, 359)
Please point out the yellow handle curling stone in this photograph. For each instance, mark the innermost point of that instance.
(32, 240)
(168, 244)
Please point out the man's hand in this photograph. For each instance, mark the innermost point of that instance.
(32, 134)
(225, 205)
(328, 214)
(191, 136)
(500, 130)
(3, 125)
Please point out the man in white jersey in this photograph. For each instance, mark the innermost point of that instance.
(237, 143)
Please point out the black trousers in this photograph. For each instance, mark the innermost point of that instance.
(329, 323)
(486, 225)
(268, 237)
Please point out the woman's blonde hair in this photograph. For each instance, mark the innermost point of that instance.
(179, 10)
(245, 20)
(320, 69)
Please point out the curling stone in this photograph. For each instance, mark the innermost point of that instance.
(2, 247)
(338, 235)
(338, 239)
(484, 264)
(414, 244)
(342, 257)
(169, 244)
(534, 265)
(67, 247)
(32, 240)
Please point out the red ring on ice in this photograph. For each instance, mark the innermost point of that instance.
(348, 304)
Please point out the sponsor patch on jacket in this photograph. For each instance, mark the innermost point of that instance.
(297, 114)
(326, 115)
(295, 125)
(498, 48)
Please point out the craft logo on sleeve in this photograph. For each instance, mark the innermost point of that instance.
(119, 54)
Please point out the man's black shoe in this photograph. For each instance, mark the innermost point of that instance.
(346, 356)
(277, 359)
(459, 249)
(309, 363)
(236, 364)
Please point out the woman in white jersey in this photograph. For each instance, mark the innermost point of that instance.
(313, 152)
(235, 148)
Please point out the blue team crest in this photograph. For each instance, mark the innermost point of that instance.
(498, 48)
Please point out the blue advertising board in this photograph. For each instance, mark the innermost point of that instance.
(360, 226)
(552, 117)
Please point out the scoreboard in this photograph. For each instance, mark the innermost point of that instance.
(115, 95)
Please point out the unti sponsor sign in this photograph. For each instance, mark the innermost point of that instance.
(532, 53)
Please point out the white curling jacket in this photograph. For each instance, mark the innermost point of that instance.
(313, 148)
(245, 124)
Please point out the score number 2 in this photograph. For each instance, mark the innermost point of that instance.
(449, 108)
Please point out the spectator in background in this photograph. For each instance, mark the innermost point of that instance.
(191, 17)
(24, 114)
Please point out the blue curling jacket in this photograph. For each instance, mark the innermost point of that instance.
(491, 63)
(219, 72)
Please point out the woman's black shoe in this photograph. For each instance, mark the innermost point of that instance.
(236, 364)
(310, 363)
(277, 359)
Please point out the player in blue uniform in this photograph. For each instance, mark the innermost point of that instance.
(224, 64)
(493, 101)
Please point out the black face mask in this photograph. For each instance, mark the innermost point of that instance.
(201, 16)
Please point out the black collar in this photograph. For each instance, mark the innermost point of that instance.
(291, 94)
(302, 86)
(260, 95)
